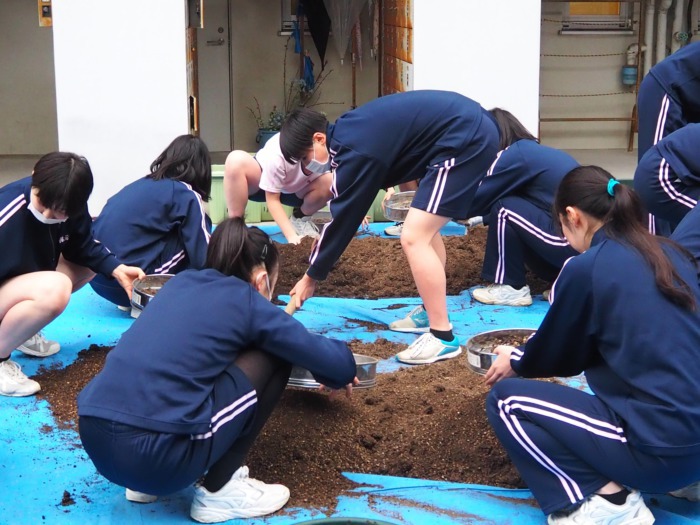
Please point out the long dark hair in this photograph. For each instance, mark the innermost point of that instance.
(297, 132)
(236, 249)
(623, 218)
(510, 128)
(63, 181)
(186, 159)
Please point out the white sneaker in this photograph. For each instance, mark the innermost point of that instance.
(546, 294)
(415, 321)
(124, 308)
(503, 294)
(304, 227)
(395, 230)
(140, 497)
(14, 383)
(599, 511)
(241, 497)
(428, 349)
(38, 346)
(691, 492)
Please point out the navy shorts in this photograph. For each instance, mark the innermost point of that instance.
(449, 184)
(163, 463)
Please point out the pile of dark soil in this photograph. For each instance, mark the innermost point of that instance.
(423, 422)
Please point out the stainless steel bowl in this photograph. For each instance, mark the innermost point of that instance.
(145, 289)
(366, 373)
(321, 217)
(480, 347)
(397, 206)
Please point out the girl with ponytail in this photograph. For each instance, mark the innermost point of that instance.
(188, 388)
(624, 312)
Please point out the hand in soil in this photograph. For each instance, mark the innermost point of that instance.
(500, 369)
(333, 393)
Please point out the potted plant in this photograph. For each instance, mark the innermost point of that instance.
(267, 127)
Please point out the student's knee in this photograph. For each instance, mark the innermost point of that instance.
(237, 163)
(53, 292)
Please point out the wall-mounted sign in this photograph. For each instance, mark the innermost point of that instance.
(45, 19)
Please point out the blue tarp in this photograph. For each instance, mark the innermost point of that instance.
(39, 462)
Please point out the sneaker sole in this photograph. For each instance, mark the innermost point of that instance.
(518, 302)
(211, 515)
(140, 497)
(430, 360)
(410, 330)
(34, 353)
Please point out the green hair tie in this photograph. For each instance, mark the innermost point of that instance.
(611, 185)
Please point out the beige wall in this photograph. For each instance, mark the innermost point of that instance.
(27, 88)
(257, 56)
(582, 76)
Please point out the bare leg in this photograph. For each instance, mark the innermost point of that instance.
(318, 194)
(241, 178)
(426, 257)
(28, 303)
(79, 275)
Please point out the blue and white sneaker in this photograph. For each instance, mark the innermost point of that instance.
(428, 349)
(416, 321)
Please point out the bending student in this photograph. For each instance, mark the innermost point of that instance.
(48, 253)
(187, 389)
(268, 177)
(158, 222)
(624, 312)
(442, 138)
(515, 199)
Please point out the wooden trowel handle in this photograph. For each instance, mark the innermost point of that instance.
(291, 306)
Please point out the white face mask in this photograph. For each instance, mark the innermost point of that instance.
(40, 217)
(269, 290)
(316, 167)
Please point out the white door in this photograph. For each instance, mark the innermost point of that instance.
(213, 43)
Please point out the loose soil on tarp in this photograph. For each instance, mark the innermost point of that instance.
(425, 422)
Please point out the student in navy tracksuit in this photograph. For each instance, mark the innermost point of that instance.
(442, 138)
(158, 222)
(669, 96)
(190, 385)
(515, 199)
(687, 234)
(668, 175)
(48, 252)
(624, 312)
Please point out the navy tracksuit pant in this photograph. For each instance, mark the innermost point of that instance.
(567, 444)
(522, 235)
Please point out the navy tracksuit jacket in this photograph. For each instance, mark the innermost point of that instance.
(443, 138)
(29, 245)
(667, 177)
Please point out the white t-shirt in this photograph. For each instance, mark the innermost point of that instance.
(278, 175)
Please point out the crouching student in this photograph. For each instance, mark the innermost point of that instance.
(624, 312)
(158, 222)
(48, 253)
(515, 199)
(267, 177)
(187, 389)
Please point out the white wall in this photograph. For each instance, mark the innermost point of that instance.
(27, 94)
(120, 85)
(488, 50)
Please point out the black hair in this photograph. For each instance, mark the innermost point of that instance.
(186, 159)
(510, 129)
(297, 132)
(236, 249)
(63, 181)
(624, 219)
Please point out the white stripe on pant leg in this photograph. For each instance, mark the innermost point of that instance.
(500, 241)
(433, 196)
(661, 121)
(513, 426)
(448, 166)
(542, 235)
(670, 189)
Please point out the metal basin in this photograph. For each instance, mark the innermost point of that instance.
(145, 289)
(397, 206)
(366, 373)
(480, 347)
